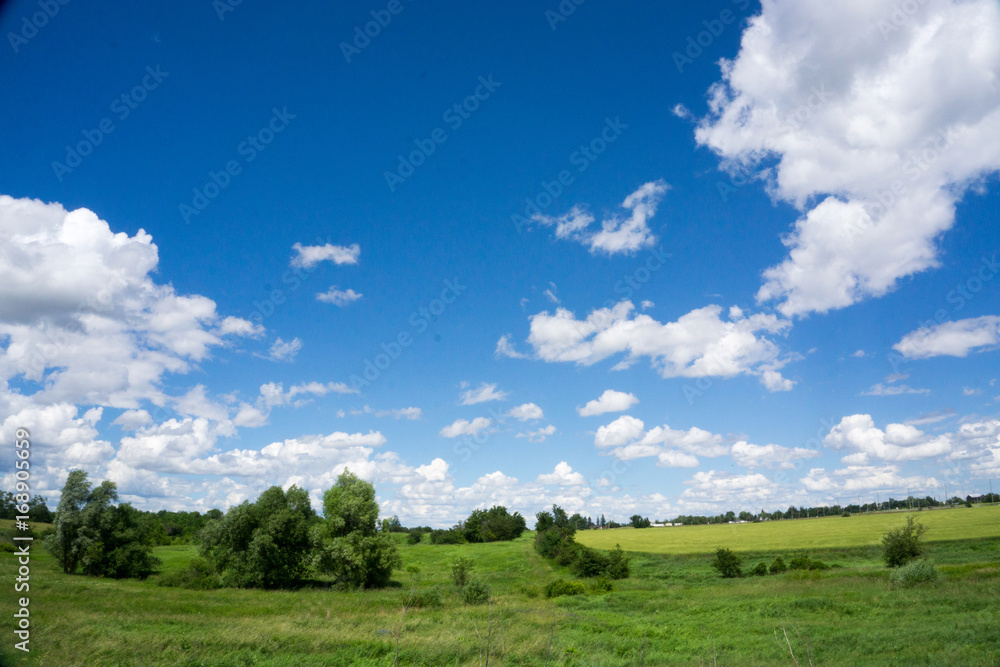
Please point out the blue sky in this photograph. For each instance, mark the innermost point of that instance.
(769, 247)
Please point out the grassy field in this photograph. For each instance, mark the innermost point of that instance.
(823, 533)
(674, 610)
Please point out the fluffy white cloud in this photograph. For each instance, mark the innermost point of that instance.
(465, 427)
(338, 297)
(506, 349)
(81, 315)
(396, 413)
(563, 475)
(749, 455)
(899, 442)
(879, 389)
(283, 350)
(617, 234)
(865, 478)
(482, 394)
(698, 344)
(622, 430)
(273, 394)
(310, 255)
(538, 435)
(720, 489)
(526, 412)
(130, 420)
(609, 401)
(954, 339)
(873, 134)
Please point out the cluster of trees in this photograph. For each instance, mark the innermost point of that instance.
(278, 540)
(97, 536)
(729, 565)
(554, 538)
(493, 525)
(38, 510)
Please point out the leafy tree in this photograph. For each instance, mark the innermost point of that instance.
(99, 537)
(493, 525)
(727, 563)
(461, 570)
(901, 545)
(637, 521)
(617, 564)
(265, 544)
(414, 537)
(450, 536)
(349, 546)
(778, 566)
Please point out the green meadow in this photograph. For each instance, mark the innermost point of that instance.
(673, 610)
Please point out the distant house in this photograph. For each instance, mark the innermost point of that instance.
(974, 499)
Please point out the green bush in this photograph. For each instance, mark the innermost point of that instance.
(727, 563)
(198, 576)
(760, 570)
(493, 525)
(430, 597)
(806, 563)
(602, 585)
(901, 545)
(778, 566)
(450, 536)
(414, 537)
(915, 572)
(7, 547)
(564, 587)
(590, 563)
(461, 571)
(475, 591)
(617, 564)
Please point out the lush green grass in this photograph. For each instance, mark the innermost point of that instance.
(674, 609)
(8, 524)
(823, 533)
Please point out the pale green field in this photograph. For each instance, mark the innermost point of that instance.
(858, 530)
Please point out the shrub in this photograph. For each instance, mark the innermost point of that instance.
(493, 525)
(915, 572)
(430, 597)
(475, 591)
(198, 576)
(450, 536)
(778, 565)
(7, 547)
(602, 585)
(563, 587)
(901, 545)
(530, 591)
(846, 515)
(590, 563)
(760, 570)
(727, 563)
(414, 537)
(461, 570)
(617, 564)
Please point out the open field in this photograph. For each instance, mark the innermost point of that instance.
(674, 610)
(823, 533)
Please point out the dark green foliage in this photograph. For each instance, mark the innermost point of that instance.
(198, 576)
(475, 591)
(97, 536)
(913, 573)
(727, 563)
(806, 563)
(617, 564)
(493, 525)
(901, 545)
(38, 510)
(265, 544)
(637, 521)
(590, 563)
(414, 537)
(348, 545)
(560, 587)
(450, 536)
(430, 597)
(760, 570)
(602, 585)
(778, 566)
(461, 570)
